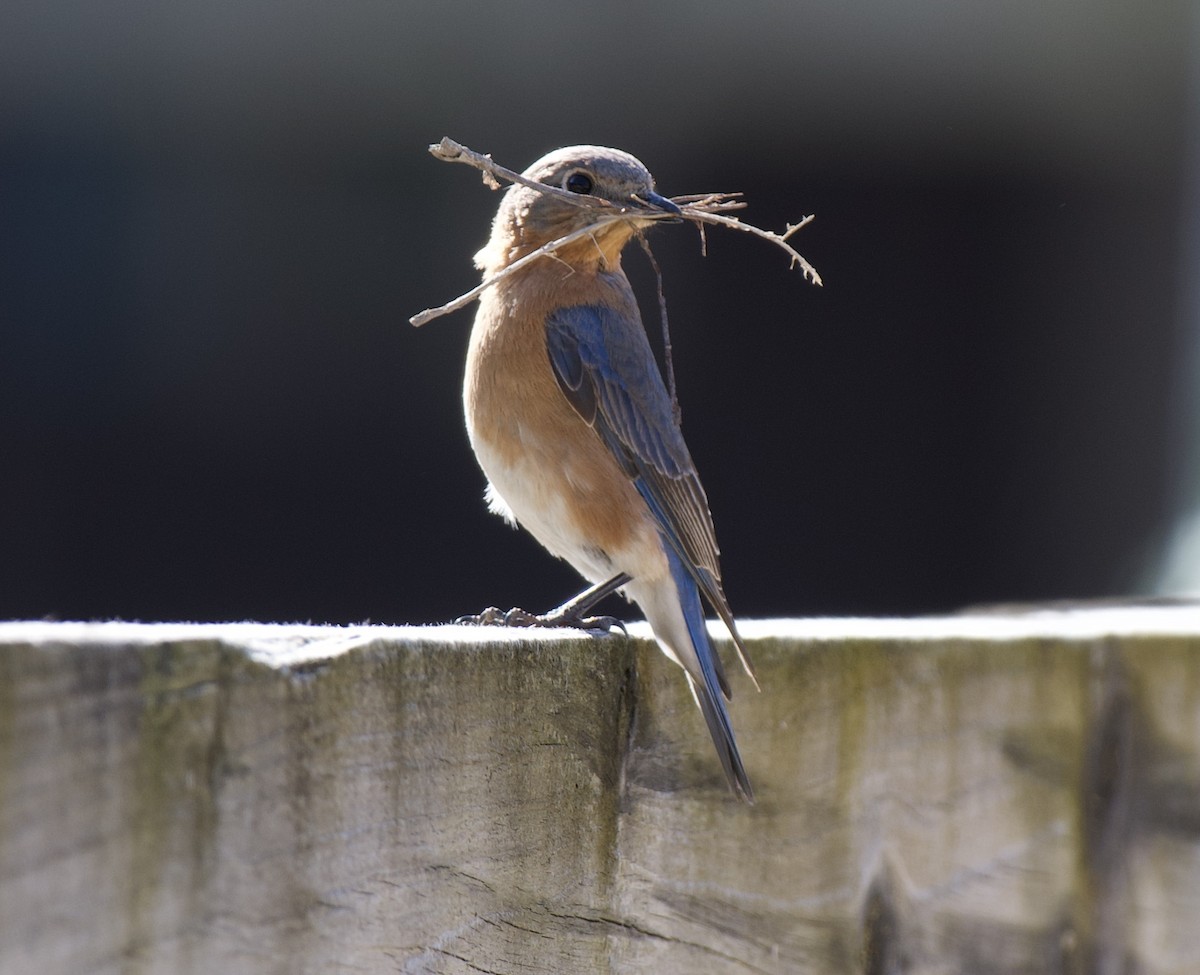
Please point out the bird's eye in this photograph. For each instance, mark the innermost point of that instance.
(578, 183)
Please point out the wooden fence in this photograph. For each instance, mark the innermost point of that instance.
(1008, 793)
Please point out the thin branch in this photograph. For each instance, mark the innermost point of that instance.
(450, 151)
(712, 202)
(666, 331)
(701, 216)
(700, 208)
(546, 249)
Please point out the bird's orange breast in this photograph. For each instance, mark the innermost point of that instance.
(537, 452)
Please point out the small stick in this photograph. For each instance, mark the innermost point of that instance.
(666, 332)
(450, 151)
(810, 272)
(463, 300)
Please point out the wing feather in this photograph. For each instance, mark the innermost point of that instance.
(604, 365)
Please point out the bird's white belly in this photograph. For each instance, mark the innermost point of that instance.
(523, 492)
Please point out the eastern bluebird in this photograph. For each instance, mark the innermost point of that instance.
(573, 426)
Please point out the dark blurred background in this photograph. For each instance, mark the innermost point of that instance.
(216, 219)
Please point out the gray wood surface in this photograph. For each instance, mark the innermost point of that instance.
(977, 794)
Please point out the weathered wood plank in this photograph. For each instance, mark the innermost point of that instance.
(968, 794)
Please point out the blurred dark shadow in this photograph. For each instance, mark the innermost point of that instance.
(216, 219)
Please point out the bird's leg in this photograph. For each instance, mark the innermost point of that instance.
(569, 614)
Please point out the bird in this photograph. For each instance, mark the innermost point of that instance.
(570, 419)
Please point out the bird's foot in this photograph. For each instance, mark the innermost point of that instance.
(570, 614)
(565, 617)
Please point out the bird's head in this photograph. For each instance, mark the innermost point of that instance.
(595, 185)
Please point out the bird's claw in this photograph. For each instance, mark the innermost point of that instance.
(489, 617)
(556, 619)
(605, 623)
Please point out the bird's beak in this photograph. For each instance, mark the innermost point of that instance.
(653, 201)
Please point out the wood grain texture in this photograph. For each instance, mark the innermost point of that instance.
(990, 795)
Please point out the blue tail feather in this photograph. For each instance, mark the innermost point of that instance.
(708, 692)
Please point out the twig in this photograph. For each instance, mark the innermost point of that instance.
(810, 272)
(450, 151)
(546, 249)
(700, 208)
(712, 202)
(666, 331)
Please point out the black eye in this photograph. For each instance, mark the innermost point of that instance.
(578, 183)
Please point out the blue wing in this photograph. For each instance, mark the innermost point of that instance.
(606, 369)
